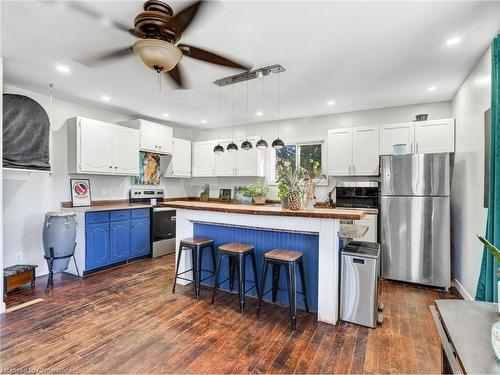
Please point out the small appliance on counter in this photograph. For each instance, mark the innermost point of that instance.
(363, 194)
(162, 219)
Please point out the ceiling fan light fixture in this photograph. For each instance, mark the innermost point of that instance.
(156, 53)
(246, 145)
(261, 144)
(232, 147)
(218, 150)
(278, 144)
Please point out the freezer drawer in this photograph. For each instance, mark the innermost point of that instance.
(415, 239)
(415, 174)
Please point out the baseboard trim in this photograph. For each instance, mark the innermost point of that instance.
(463, 292)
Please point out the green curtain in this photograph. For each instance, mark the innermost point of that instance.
(487, 284)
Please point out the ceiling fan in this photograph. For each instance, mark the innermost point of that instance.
(159, 31)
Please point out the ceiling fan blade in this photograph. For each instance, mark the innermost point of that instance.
(103, 19)
(201, 54)
(177, 76)
(184, 18)
(106, 57)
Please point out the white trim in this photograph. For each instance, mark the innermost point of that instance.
(463, 292)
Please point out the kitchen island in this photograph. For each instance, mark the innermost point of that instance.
(315, 233)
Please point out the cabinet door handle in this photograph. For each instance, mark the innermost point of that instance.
(411, 147)
(416, 151)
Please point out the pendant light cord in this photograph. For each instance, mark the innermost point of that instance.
(262, 109)
(247, 112)
(279, 90)
(232, 116)
(220, 110)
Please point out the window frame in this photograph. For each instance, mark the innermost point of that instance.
(321, 182)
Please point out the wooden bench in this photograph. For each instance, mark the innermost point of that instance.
(18, 275)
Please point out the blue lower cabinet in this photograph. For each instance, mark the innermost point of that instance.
(97, 245)
(139, 237)
(112, 237)
(119, 240)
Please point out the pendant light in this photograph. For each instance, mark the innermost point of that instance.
(232, 147)
(246, 145)
(278, 144)
(219, 150)
(261, 143)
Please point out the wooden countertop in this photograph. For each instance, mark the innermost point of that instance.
(270, 210)
(108, 207)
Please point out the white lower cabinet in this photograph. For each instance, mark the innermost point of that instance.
(372, 221)
(353, 151)
(248, 163)
(180, 164)
(203, 159)
(97, 147)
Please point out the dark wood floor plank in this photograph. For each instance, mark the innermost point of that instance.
(125, 320)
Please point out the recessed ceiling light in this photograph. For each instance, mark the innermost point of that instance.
(105, 98)
(62, 69)
(259, 113)
(330, 102)
(166, 115)
(453, 41)
(204, 121)
(432, 88)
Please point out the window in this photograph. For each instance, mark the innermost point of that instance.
(303, 155)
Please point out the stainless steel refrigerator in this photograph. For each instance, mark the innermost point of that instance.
(415, 218)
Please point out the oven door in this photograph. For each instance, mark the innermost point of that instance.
(163, 236)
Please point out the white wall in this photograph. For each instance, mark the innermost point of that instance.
(27, 200)
(311, 129)
(468, 215)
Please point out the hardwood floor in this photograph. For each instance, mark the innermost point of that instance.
(126, 320)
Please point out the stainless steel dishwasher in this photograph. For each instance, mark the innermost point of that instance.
(359, 283)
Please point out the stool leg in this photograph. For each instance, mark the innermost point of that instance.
(254, 267)
(177, 267)
(195, 254)
(241, 281)
(216, 281)
(292, 296)
(303, 283)
(50, 280)
(262, 285)
(214, 261)
(76, 266)
(231, 272)
(276, 280)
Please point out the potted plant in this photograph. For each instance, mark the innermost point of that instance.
(290, 185)
(495, 329)
(257, 191)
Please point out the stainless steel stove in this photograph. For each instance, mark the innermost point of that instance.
(162, 219)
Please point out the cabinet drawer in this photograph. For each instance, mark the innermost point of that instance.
(140, 213)
(119, 215)
(96, 217)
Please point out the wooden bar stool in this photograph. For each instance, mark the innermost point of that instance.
(196, 245)
(289, 259)
(236, 253)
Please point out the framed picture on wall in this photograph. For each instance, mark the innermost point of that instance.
(80, 192)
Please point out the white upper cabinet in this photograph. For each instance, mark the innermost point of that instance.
(180, 165)
(250, 162)
(165, 139)
(365, 155)
(96, 147)
(422, 137)
(154, 137)
(435, 136)
(393, 134)
(225, 163)
(203, 158)
(339, 152)
(125, 150)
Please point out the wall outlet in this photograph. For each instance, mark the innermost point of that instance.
(19, 256)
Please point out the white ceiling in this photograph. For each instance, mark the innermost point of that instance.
(361, 54)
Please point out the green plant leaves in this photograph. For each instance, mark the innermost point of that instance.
(492, 249)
